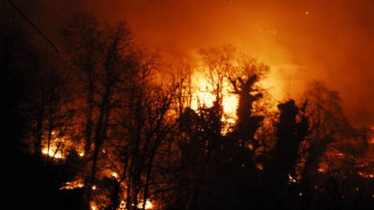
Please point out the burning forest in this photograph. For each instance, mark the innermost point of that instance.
(114, 113)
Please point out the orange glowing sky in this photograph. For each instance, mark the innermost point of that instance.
(301, 40)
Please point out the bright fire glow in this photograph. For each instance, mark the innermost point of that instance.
(122, 205)
(52, 152)
(60, 146)
(203, 96)
(93, 205)
(114, 175)
(148, 205)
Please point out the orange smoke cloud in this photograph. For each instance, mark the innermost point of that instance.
(300, 40)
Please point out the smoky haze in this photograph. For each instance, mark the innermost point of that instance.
(302, 41)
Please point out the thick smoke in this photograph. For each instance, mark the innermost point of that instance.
(301, 40)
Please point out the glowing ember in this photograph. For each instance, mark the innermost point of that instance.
(73, 185)
(260, 166)
(321, 170)
(322, 167)
(371, 136)
(291, 179)
(366, 176)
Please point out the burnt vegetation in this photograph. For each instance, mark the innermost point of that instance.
(105, 125)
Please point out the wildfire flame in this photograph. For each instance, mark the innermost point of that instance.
(122, 205)
(114, 175)
(52, 152)
(148, 205)
(73, 185)
(59, 146)
(203, 96)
